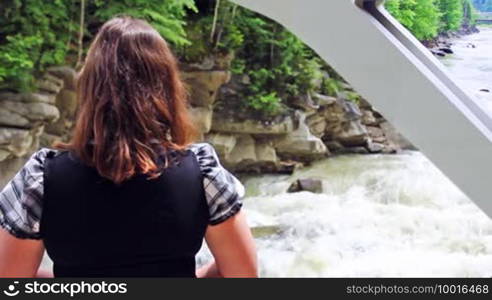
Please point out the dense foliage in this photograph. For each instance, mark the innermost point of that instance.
(427, 18)
(33, 34)
(167, 17)
(36, 34)
(451, 14)
(279, 65)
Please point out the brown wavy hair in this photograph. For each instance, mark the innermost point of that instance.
(132, 104)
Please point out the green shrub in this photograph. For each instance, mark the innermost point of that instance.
(33, 35)
(402, 10)
(167, 17)
(426, 25)
(331, 86)
(279, 64)
(451, 14)
(267, 103)
(421, 17)
(427, 18)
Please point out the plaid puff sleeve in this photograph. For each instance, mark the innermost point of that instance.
(21, 199)
(222, 190)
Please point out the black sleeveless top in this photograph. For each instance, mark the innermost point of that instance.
(143, 227)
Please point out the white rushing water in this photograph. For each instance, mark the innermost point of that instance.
(471, 65)
(378, 215)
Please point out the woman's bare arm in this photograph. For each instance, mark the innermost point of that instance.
(208, 271)
(19, 257)
(233, 248)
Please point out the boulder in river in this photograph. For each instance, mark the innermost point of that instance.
(438, 53)
(446, 50)
(307, 184)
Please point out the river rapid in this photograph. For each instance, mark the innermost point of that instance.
(378, 215)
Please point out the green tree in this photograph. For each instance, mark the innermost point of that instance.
(421, 17)
(33, 35)
(407, 13)
(393, 7)
(451, 14)
(469, 13)
(167, 17)
(426, 22)
(279, 64)
(427, 18)
(403, 11)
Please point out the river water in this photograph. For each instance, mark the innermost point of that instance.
(471, 65)
(378, 215)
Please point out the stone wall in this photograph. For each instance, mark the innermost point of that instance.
(66, 102)
(28, 120)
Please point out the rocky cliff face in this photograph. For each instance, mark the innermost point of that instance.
(30, 120)
(314, 127)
